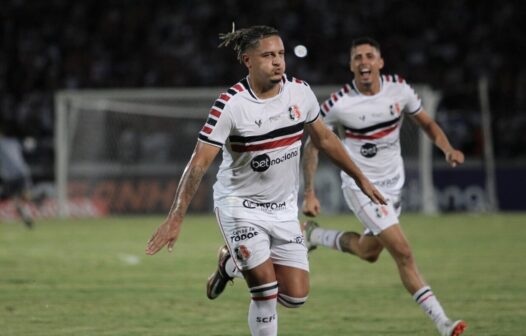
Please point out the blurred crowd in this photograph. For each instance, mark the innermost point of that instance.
(51, 45)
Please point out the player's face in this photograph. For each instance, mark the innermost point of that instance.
(366, 63)
(266, 62)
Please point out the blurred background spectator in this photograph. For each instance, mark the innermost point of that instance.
(51, 45)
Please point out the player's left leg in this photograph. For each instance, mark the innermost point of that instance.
(293, 286)
(398, 246)
(291, 264)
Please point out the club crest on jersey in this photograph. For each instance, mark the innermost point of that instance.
(242, 253)
(394, 109)
(381, 212)
(294, 112)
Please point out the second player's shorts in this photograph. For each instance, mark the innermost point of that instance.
(374, 217)
(252, 242)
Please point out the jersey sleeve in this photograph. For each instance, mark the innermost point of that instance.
(329, 108)
(218, 126)
(414, 103)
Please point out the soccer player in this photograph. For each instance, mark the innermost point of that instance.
(259, 123)
(15, 176)
(370, 111)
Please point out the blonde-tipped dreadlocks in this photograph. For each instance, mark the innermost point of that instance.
(245, 38)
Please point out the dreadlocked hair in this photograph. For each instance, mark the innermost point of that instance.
(246, 38)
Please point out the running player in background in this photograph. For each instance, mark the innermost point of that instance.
(259, 123)
(371, 109)
(15, 177)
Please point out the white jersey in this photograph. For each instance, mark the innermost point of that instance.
(261, 140)
(372, 129)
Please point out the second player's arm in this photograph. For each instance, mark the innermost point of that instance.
(439, 138)
(168, 232)
(325, 140)
(311, 204)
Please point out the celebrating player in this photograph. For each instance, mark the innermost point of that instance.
(371, 109)
(259, 123)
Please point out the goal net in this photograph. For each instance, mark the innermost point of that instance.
(123, 151)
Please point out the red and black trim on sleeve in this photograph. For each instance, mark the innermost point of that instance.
(327, 105)
(216, 111)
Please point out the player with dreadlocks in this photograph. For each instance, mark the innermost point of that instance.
(258, 123)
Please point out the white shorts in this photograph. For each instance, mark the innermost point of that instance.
(375, 218)
(252, 242)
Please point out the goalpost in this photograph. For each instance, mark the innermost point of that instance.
(133, 143)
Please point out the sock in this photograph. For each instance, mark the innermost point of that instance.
(262, 313)
(328, 238)
(232, 270)
(429, 304)
(291, 302)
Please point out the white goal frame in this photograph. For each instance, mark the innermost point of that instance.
(68, 102)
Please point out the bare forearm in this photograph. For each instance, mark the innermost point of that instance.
(336, 152)
(438, 137)
(310, 165)
(186, 190)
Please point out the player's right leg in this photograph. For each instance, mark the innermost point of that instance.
(248, 245)
(263, 287)
(365, 246)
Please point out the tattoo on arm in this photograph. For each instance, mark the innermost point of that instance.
(186, 190)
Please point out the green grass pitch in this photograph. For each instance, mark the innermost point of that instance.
(91, 277)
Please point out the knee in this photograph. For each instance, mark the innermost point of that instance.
(292, 301)
(372, 255)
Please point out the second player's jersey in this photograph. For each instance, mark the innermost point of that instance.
(372, 128)
(261, 140)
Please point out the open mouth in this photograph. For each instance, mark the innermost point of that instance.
(365, 73)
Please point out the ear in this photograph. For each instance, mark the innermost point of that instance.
(381, 63)
(246, 60)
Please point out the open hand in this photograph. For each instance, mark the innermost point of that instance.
(166, 234)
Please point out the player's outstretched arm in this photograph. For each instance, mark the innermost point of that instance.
(311, 204)
(453, 156)
(168, 231)
(325, 140)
